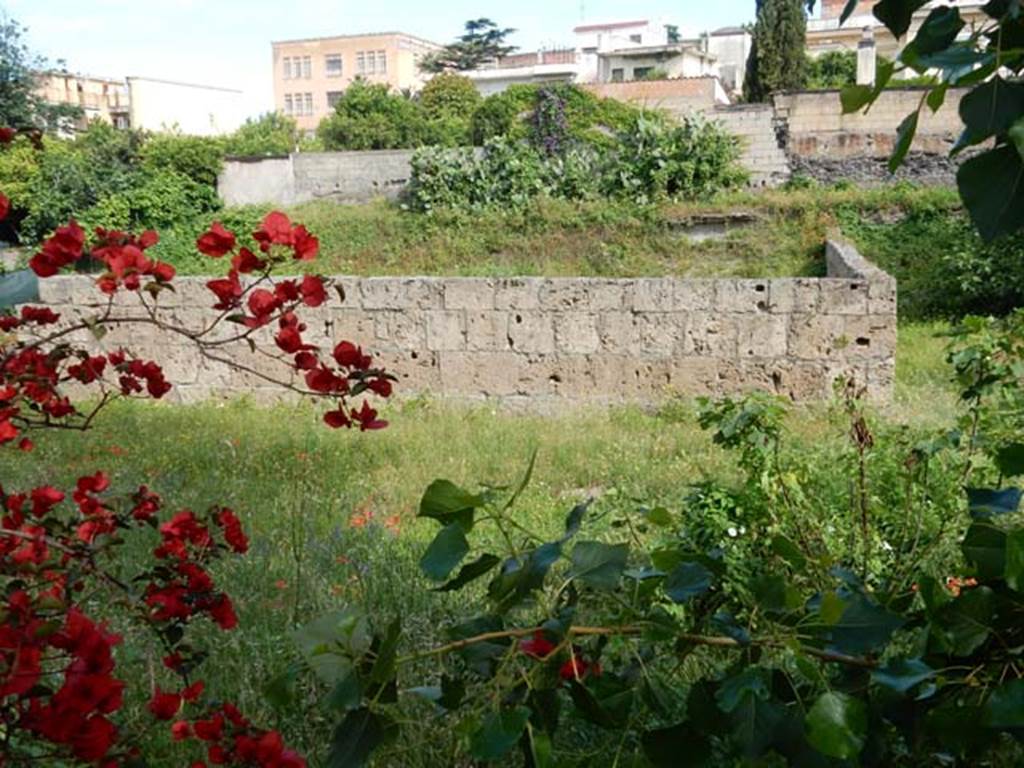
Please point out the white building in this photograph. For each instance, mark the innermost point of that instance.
(558, 66)
(731, 48)
(200, 110)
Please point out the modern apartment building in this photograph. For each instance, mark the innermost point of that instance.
(100, 98)
(311, 75)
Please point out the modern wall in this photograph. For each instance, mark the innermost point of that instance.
(547, 342)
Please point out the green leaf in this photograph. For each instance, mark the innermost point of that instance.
(330, 642)
(848, 9)
(599, 565)
(1016, 135)
(280, 689)
(687, 581)
(904, 139)
(664, 746)
(897, 14)
(447, 503)
(1015, 560)
(384, 665)
(754, 723)
(775, 594)
(963, 625)
(992, 188)
(1005, 707)
(901, 675)
(985, 547)
(991, 109)
(519, 577)
(357, 736)
(831, 609)
(789, 552)
(984, 503)
(347, 693)
(659, 516)
(865, 626)
(855, 97)
(574, 520)
(937, 97)
(752, 681)
(499, 733)
(837, 725)
(938, 31)
(453, 691)
(445, 552)
(470, 573)
(1010, 460)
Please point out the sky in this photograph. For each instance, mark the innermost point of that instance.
(227, 42)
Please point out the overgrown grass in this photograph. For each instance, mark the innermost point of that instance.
(332, 515)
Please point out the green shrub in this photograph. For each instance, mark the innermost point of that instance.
(197, 157)
(372, 116)
(656, 160)
(449, 95)
(832, 69)
(269, 134)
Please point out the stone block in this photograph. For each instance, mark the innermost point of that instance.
(741, 295)
(797, 294)
(869, 337)
(517, 293)
(531, 332)
(711, 334)
(882, 297)
(656, 294)
(404, 330)
(401, 293)
(487, 331)
(761, 335)
(564, 294)
(468, 293)
(662, 334)
(844, 297)
(446, 330)
(815, 336)
(576, 332)
(618, 332)
(696, 295)
(418, 371)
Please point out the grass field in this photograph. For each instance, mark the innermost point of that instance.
(332, 515)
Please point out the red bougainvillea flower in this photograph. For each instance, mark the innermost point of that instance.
(276, 229)
(367, 419)
(233, 533)
(313, 292)
(576, 668)
(216, 241)
(7, 135)
(538, 646)
(164, 705)
(306, 245)
(228, 291)
(245, 261)
(5, 206)
(62, 248)
(337, 419)
(348, 355)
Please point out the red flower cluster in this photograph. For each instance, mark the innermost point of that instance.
(64, 247)
(576, 667)
(230, 739)
(5, 206)
(124, 255)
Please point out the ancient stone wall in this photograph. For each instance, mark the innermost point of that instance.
(548, 342)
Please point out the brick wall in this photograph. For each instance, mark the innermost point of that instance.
(677, 96)
(550, 342)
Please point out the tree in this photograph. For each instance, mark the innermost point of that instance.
(449, 95)
(269, 134)
(482, 42)
(372, 116)
(777, 61)
(20, 104)
(833, 69)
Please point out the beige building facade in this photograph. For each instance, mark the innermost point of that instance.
(100, 98)
(311, 75)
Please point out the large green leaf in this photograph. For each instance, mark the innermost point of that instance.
(938, 31)
(962, 626)
(665, 746)
(599, 565)
(754, 723)
(357, 736)
(1005, 707)
(499, 733)
(897, 14)
(386, 649)
(901, 675)
(992, 187)
(985, 547)
(470, 573)
(837, 725)
(521, 576)
(904, 140)
(1015, 559)
(1010, 460)
(985, 503)
(330, 642)
(848, 9)
(991, 109)
(687, 581)
(864, 627)
(1016, 135)
(447, 503)
(445, 552)
(752, 681)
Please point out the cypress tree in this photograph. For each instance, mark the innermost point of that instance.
(777, 61)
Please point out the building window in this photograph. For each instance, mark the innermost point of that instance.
(307, 67)
(382, 62)
(288, 104)
(636, 39)
(361, 63)
(287, 68)
(618, 75)
(332, 64)
(333, 97)
(639, 73)
(309, 103)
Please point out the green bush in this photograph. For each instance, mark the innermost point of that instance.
(832, 69)
(269, 134)
(372, 116)
(197, 157)
(449, 95)
(657, 160)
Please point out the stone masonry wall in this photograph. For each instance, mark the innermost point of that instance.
(547, 342)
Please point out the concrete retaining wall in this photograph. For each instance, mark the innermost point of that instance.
(548, 342)
(345, 177)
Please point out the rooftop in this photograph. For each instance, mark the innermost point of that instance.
(355, 36)
(611, 25)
